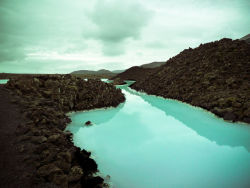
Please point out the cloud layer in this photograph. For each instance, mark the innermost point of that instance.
(114, 22)
(64, 35)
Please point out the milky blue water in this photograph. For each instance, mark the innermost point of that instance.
(153, 142)
(3, 81)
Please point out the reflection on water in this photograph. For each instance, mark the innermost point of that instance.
(79, 118)
(206, 125)
(153, 142)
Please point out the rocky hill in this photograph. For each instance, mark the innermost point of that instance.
(214, 76)
(246, 38)
(117, 71)
(90, 72)
(44, 102)
(153, 64)
(134, 73)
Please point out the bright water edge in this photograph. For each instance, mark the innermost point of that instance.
(4, 81)
(153, 142)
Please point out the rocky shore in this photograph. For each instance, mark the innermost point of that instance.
(214, 76)
(41, 138)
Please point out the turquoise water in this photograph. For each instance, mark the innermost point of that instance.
(153, 142)
(3, 81)
(106, 80)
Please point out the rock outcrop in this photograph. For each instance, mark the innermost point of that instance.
(214, 76)
(133, 73)
(44, 102)
(118, 81)
(246, 38)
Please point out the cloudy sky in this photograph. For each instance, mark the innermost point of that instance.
(60, 36)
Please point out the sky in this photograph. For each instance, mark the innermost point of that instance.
(60, 36)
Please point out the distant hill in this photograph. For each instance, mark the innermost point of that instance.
(246, 38)
(118, 71)
(99, 72)
(138, 72)
(214, 76)
(89, 72)
(153, 64)
(114, 72)
(134, 73)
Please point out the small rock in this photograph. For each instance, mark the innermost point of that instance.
(63, 164)
(49, 169)
(75, 174)
(61, 180)
(47, 93)
(68, 135)
(23, 138)
(88, 123)
(93, 182)
(247, 120)
(65, 156)
(53, 138)
(38, 139)
(229, 116)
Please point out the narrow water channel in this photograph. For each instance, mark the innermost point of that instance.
(4, 81)
(151, 142)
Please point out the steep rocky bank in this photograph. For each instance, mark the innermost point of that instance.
(42, 139)
(214, 76)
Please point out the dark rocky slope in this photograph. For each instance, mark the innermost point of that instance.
(246, 38)
(134, 73)
(153, 64)
(214, 76)
(42, 139)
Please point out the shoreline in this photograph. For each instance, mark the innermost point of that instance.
(54, 156)
(214, 76)
(193, 106)
(218, 114)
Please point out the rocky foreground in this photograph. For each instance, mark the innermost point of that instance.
(41, 137)
(214, 76)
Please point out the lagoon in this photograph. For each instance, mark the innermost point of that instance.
(153, 142)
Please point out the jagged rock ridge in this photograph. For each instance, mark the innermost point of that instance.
(214, 76)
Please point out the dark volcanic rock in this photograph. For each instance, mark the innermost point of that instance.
(44, 101)
(88, 123)
(134, 73)
(214, 76)
(118, 81)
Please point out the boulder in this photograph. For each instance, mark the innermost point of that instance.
(88, 123)
(75, 174)
(229, 116)
(93, 182)
(48, 170)
(65, 156)
(47, 93)
(61, 180)
(38, 139)
(53, 138)
(63, 164)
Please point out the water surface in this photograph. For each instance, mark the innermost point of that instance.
(153, 142)
(4, 81)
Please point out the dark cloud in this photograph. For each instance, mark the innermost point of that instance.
(28, 25)
(70, 34)
(116, 21)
